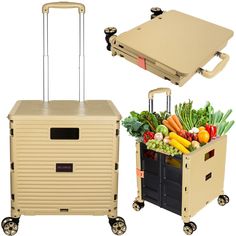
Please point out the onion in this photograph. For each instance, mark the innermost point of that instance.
(158, 136)
(195, 144)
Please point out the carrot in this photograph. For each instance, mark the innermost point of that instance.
(173, 124)
(176, 119)
(167, 124)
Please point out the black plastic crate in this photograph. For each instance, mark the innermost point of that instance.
(162, 182)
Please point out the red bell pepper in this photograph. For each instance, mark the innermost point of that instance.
(212, 130)
(147, 136)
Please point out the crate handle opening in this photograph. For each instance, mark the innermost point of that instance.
(64, 133)
(209, 154)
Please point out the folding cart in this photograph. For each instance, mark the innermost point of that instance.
(64, 154)
(172, 45)
(182, 184)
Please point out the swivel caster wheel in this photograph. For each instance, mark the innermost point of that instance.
(10, 225)
(118, 225)
(137, 206)
(109, 31)
(189, 228)
(223, 200)
(156, 11)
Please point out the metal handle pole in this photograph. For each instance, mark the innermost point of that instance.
(45, 59)
(81, 59)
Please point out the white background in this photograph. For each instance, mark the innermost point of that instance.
(114, 79)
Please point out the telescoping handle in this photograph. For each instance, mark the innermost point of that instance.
(81, 10)
(160, 90)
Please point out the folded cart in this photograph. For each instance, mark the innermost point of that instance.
(182, 184)
(172, 45)
(64, 154)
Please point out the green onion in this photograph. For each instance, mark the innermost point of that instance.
(228, 126)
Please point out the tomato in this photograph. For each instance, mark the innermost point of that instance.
(203, 136)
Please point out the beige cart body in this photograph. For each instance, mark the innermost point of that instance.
(173, 46)
(64, 154)
(184, 184)
(64, 158)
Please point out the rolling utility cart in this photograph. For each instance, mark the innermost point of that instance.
(182, 184)
(64, 154)
(172, 45)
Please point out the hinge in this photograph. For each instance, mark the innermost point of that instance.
(12, 165)
(12, 132)
(117, 132)
(116, 166)
(13, 197)
(140, 173)
(115, 197)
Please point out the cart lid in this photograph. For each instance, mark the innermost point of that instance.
(61, 110)
(176, 40)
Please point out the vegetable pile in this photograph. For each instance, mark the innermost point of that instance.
(181, 133)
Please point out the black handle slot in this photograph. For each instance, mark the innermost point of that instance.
(208, 176)
(64, 167)
(209, 155)
(64, 133)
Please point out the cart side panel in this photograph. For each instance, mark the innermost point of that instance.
(139, 178)
(57, 176)
(116, 140)
(203, 176)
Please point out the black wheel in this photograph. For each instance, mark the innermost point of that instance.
(194, 226)
(223, 199)
(156, 11)
(118, 225)
(10, 227)
(110, 31)
(137, 206)
(188, 228)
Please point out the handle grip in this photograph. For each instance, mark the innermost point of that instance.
(156, 91)
(159, 90)
(46, 6)
(218, 68)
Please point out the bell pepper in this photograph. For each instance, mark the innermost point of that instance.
(147, 136)
(212, 130)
